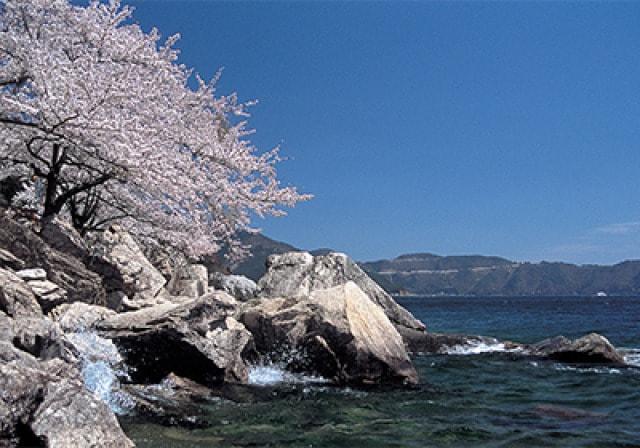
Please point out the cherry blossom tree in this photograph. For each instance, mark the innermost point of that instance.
(105, 118)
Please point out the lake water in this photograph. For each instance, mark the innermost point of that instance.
(485, 400)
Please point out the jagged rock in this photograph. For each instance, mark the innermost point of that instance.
(38, 336)
(125, 267)
(190, 281)
(174, 401)
(199, 340)
(68, 272)
(341, 334)
(297, 274)
(16, 298)
(46, 404)
(32, 274)
(592, 348)
(239, 286)
(61, 235)
(48, 294)
(420, 342)
(10, 261)
(79, 316)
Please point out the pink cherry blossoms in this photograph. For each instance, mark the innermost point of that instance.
(102, 115)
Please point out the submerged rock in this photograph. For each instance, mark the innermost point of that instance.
(338, 332)
(199, 340)
(592, 348)
(239, 286)
(298, 274)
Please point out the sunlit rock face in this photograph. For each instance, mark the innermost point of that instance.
(199, 339)
(298, 274)
(338, 333)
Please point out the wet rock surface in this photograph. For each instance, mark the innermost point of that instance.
(199, 340)
(339, 332)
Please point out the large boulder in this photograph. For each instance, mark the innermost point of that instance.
(46, 404)
(68, 272)
(16, 297)
(199, 340)
(124, 265)
(239, 286)
(338, 333)
(298, 274)
(592, 348)
(61, 235)
(38, 336)
(190, 280)
(80, 316)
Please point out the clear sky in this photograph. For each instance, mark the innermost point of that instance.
(495, 128)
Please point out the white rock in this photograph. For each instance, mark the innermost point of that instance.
(32, 274)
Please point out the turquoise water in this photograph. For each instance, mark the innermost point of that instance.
(489, 400)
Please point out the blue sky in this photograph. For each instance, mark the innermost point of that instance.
(497, 128)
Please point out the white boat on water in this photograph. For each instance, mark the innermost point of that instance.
(601, 294)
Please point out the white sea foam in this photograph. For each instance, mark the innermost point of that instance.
(476, 347)
(607, 370)
(271, 374)
(631, 356)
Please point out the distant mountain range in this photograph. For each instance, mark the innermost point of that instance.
(472, 275)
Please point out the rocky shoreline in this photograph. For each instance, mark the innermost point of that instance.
(71, 306)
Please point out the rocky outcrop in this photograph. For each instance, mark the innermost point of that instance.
(239, 286)
(190, 280)
(338, 333)
(61, 236)
(79, 316)
(199, 340)
(16, 297)
(592, 348)
(38, 336)
(298, 274)
(67, 272)
(46, 404)
(124, 266)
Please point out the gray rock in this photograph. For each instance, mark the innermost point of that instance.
(16, 298)
(138, 279)
(61, 236)
(10, 261)
(592, 348)
(48, 294)
(68, 272)
(38, 336)
(338, 333)
(49, 406)
(239, 286)
(79, 316)
(297, 274)
(198, 339)
(190, 281)
(32, 274)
